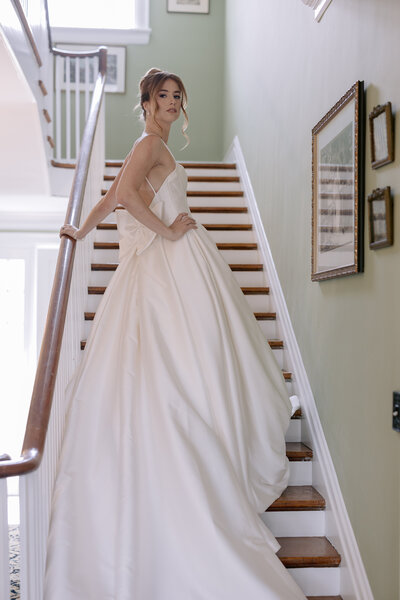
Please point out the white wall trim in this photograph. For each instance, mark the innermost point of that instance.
(84, 35)
(356, 584)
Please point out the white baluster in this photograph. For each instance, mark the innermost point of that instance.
(59, 64)
(68, 107)
(87, 86)
(36, 487)
(77, 107)
(4, 549)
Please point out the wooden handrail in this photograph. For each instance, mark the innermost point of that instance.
(27, 29)
(42, 395)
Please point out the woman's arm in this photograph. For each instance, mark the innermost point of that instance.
(146, 155)
(98, 212)
(125, 191)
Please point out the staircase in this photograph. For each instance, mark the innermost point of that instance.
(297, 518)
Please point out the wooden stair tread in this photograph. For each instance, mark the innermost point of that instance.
(196, 178)
(300, 552)
(42, 87)
(298, 451)
(276, 344)
(205, 194)
(246, 290)
(208, 209)
(299, 497)
(234, 267)
(89, 316)
(324, 597)
(220, 246)
(265, 316)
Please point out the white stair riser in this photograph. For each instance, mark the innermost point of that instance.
(223, 237)
(216, 201)
(221, 217)
(293, 433)
(230, 256)
(315, 581)
(296, 523)
(269, 329)
(300, 472)
(226, 237)
(250, 278)
(194, 172)
(259, 302)
(215, 186)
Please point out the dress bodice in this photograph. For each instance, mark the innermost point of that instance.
(168, 202)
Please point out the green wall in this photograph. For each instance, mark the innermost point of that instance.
(284, 71)
(191, 45)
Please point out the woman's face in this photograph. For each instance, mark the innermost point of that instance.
(169, 100)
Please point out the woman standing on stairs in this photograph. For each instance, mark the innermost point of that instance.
(175, 431)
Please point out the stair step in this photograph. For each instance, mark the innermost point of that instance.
(223, 246)
(205, 194)
(196, 178)
(265, 316)
(274, 344)
(234, 267)
(209, 209)
(42, 87)
(208, 226)
(296, 451)
(301, 552)
(299, 497)
(47, 115)
(92, 289)
(89, 316)
(187, 165)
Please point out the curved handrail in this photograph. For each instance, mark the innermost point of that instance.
(42, 394)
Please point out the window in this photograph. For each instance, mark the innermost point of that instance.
(92, 21)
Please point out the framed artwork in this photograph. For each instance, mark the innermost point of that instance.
(115, 82)
(189, 6)
(381, 135)
(380, 205)
(338, 188)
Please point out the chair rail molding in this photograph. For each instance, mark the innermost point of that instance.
(319, 7)
(354, 580)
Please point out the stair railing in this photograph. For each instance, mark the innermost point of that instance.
(59, 357)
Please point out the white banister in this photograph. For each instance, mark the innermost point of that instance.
(58, 64)
(36, 487)
(77, 106)
(69, 111)
(4, 547)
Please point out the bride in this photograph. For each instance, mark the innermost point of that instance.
(176, 417)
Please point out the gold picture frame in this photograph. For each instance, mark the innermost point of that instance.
(338, 147)
(381, 135)
(189, 6)
(380, 211)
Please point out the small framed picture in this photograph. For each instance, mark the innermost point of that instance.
(189, 6)
(337, 188)
(115, 82)
(381, 135)
(380, 204)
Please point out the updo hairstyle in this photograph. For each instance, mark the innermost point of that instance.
(149, 86)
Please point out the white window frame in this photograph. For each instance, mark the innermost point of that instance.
(83, 35)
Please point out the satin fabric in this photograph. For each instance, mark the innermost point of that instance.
(175, 433)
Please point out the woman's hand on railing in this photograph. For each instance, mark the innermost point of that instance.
(72, 232)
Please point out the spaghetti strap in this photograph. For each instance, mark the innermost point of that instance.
(154, 191)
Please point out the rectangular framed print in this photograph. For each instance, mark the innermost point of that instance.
(189, 6)
(381, 135)
(338, 188)
(380, 210)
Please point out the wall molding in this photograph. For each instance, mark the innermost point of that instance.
(355, 584)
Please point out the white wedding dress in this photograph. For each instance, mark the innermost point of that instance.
(175, 433)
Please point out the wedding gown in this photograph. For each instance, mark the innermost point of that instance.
(174, 438)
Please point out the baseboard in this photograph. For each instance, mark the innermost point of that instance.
(354, 580)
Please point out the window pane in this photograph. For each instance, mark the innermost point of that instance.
(120, 14)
